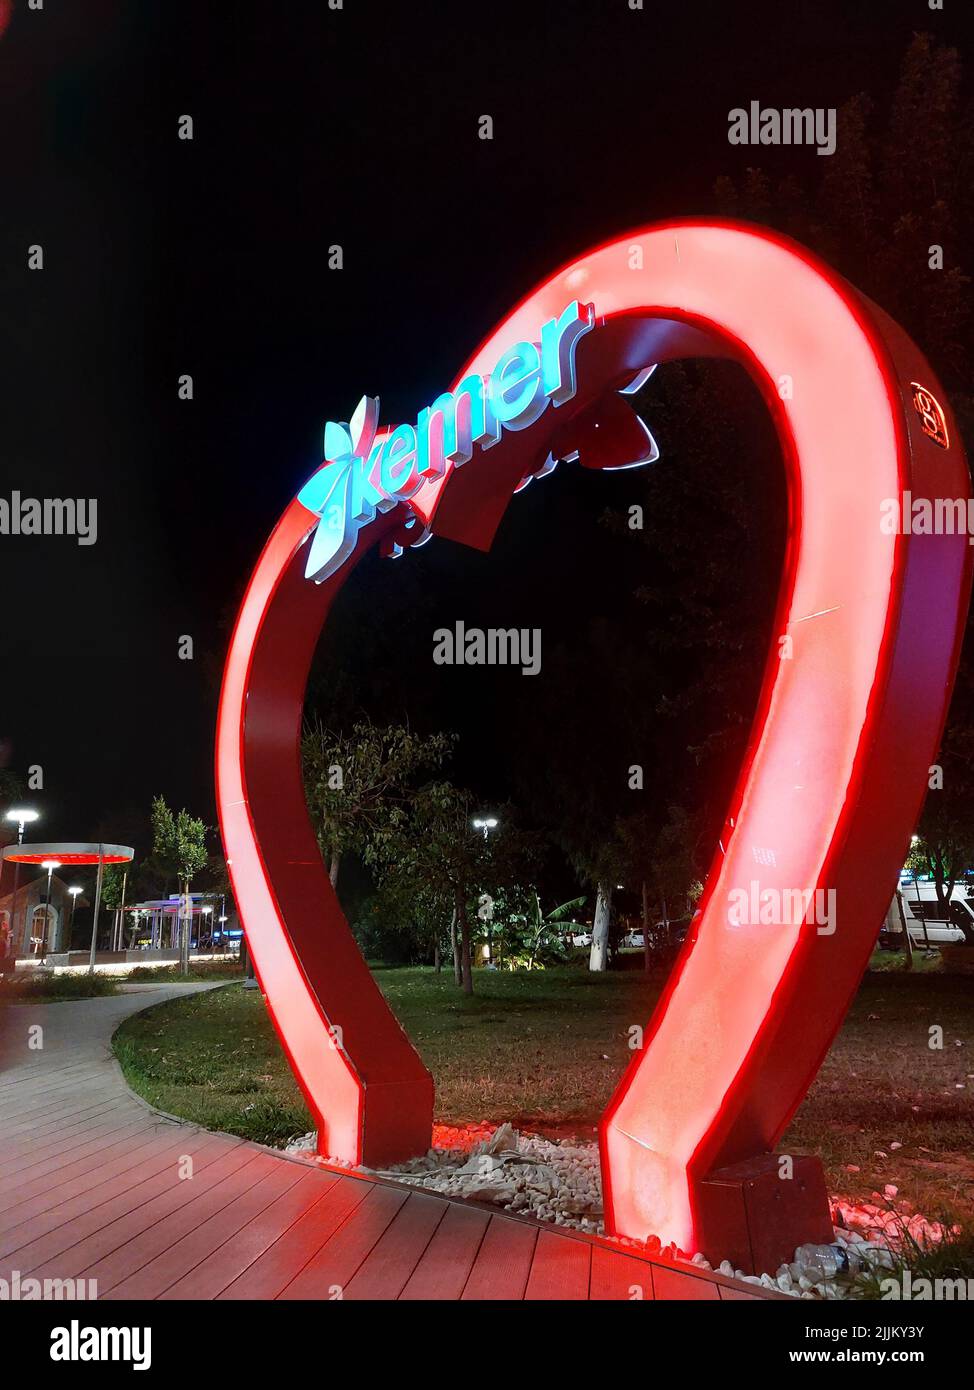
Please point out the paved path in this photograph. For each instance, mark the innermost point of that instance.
(96, 1185)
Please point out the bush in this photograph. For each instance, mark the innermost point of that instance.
(45, 986)
(949, 1259)
(229, 969)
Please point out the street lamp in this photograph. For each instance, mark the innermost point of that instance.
(50, 865)
(487, 824)
(21, 816)
(74, 898)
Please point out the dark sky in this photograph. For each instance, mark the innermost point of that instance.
(162, 257)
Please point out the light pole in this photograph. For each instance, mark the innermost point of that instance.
(74, 898)
(21, 815)
(486, 825)
(99, 879)
(914, 841)
(50, 865)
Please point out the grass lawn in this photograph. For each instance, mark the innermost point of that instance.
(545, 1050)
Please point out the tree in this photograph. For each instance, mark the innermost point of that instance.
(403, 922)
(433, 848)
(944, 846)
(11, 788)
(354, 783)
(527, 937)
(662, 858)
(431, 851)
(179, 844)
(114, 892)
(588, 743)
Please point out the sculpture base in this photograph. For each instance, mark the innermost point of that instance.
(756, 1218)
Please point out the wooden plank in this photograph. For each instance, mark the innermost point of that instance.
(156, 1275)
(503, 1262)
(40, 1076)
(21, 1163)
(331, 1270)
(384, 1271)
(44, 1145)
(212, 1275)
(44, 1128)
(271, 1272)
(448, 1259)
(39, 1089)
(672, 1284)
(73, 1102)
(86, 1159)
(117, 1249)
(559, 1270)
(39, 1081)
(68, 1222)
(729, 1295)
(617, 1276)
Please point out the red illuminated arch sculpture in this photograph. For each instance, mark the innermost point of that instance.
(847, 726)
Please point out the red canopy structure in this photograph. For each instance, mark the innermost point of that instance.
(70, 853)
(74, 852)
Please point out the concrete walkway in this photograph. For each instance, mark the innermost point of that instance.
(95, 1185)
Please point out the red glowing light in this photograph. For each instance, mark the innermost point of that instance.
(750, 1009)
(32, 854)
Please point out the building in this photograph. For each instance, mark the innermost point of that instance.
(47, 925)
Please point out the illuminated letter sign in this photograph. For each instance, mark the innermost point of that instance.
(843, 736)
(366, 472)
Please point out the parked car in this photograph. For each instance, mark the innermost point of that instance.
(926, 920)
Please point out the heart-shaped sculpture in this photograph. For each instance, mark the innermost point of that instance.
(855, 694)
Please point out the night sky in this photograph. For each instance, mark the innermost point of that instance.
(209, 257)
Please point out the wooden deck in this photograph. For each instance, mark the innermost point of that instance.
(96, 1185)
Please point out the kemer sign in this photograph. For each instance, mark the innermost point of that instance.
(751, 1006)
(366, 473)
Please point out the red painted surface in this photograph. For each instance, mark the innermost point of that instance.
(845, 731)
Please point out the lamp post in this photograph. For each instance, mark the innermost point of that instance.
(914, 841)
(74, 898)
(99, 877)
(50, 865)
(486, 825)
(21, 816)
